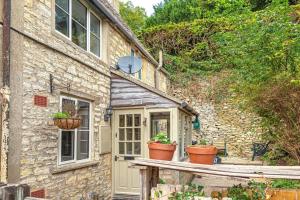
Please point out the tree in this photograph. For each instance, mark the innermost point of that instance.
(175, 11)
(134, 16)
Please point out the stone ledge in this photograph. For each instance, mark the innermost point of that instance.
(71, 167)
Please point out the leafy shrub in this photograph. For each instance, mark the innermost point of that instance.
(192, 191)
(285, 184)
(280, 104)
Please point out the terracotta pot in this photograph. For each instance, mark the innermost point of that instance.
(202, 154)
(67, 124)
(160, 151)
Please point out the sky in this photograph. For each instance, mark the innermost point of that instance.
(147, 4)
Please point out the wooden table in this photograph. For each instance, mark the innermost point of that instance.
(149, 171)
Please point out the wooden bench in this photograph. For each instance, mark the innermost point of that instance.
(149, 172)
(221, 146)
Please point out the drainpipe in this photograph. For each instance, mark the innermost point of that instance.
(5, 90)
(160, 64)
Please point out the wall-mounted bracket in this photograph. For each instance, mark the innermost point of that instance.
(54, 87)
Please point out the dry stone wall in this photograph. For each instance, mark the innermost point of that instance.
(221, 121)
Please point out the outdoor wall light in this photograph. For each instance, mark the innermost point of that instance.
(108, 114)
(196, 123)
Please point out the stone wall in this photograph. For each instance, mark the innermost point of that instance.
(40, 140)
(45, 52)
(221, 121)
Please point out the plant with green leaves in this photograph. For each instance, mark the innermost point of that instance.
(61, 115)
(190, 192)
(161, 138)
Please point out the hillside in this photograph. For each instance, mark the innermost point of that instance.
(240, 58)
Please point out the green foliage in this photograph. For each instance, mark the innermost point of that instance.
(188, 193)
(254, 191)
(61, 115)
(175, 11)
(134, 16)
(161, 138)
(285, 184)
(202, 142)
(261, 51)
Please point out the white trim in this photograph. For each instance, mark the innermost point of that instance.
(59, 162)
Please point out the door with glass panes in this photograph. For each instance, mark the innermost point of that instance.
(128, 146)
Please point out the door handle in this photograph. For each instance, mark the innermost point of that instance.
(116, 158)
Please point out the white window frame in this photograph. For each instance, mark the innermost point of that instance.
(69, 37)
(59, 161)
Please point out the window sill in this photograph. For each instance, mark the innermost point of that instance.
(71, 167)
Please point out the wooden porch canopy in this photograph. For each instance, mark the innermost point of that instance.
(149, 170)
(126, 91)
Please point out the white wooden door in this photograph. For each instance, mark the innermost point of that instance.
(128, 145)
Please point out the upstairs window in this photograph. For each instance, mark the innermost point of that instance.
(62, 16)
(75, 21)
(79, 24)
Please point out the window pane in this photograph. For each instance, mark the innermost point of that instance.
(137, 120)
(95, 25)
(79, 34)
(64, 4)
(122, 134)
(121, 148)
(137, 148)
(82, 145)
(137, 134)
(84, 114)
(61, 21)
(95, 45)
(129, 134)
(67, 145)
(122, 120)
(69, 106)
(129, 120)
(79, 12)
(129, 148)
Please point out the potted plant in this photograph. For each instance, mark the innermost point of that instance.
(202, 153)
(64, 120)
(161, 148)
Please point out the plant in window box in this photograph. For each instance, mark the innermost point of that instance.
(202, 153)
(64, 120)
(161, 147)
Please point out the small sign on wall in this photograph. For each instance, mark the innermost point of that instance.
(38, 193)
(40, 101)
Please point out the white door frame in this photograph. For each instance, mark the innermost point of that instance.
(115, 125)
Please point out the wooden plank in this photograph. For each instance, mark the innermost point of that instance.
(235, 171)
(144, 180)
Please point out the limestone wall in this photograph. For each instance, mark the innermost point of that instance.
(40, 140)
(221, 121)
(34, 157)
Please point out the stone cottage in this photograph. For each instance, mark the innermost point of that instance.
(64, 52)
